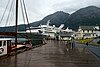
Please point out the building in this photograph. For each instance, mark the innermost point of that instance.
(66, 35)
(87, 32)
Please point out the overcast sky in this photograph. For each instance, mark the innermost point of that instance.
(38, 9)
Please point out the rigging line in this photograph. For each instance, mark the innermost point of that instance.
(23, 13)
(4, 11)
(12, 13)
(9, 13)
(26, 15)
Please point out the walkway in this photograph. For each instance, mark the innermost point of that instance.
(53, 54)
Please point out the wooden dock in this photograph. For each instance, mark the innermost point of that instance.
(18, 47)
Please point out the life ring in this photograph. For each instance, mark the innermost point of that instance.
(1, 50)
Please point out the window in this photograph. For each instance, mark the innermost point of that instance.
(83, 31)
(92, 31)
(9, 43)
(4, 43)
(88, 30)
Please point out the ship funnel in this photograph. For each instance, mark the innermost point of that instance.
(48, 22)
(61, 26)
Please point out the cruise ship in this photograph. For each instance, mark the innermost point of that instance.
(48, 30)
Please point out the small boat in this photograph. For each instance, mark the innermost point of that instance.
(6, 46)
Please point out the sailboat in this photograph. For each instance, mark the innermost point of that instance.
(31, 39)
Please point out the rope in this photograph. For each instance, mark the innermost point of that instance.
(23, 13)
(4, 11)
(9, 13)
(12, 17)
(26, 15)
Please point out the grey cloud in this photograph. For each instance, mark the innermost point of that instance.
(37, 9)
(73, 5)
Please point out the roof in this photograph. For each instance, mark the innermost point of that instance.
(87, 27)
(5, 39)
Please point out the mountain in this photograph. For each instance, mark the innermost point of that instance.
(12, 28)
(85, 16)
(57, 19)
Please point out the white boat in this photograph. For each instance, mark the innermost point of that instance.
(5, 44)
(46, 29)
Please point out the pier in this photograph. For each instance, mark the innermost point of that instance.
(53, 54)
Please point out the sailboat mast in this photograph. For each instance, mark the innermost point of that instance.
(16, 18)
